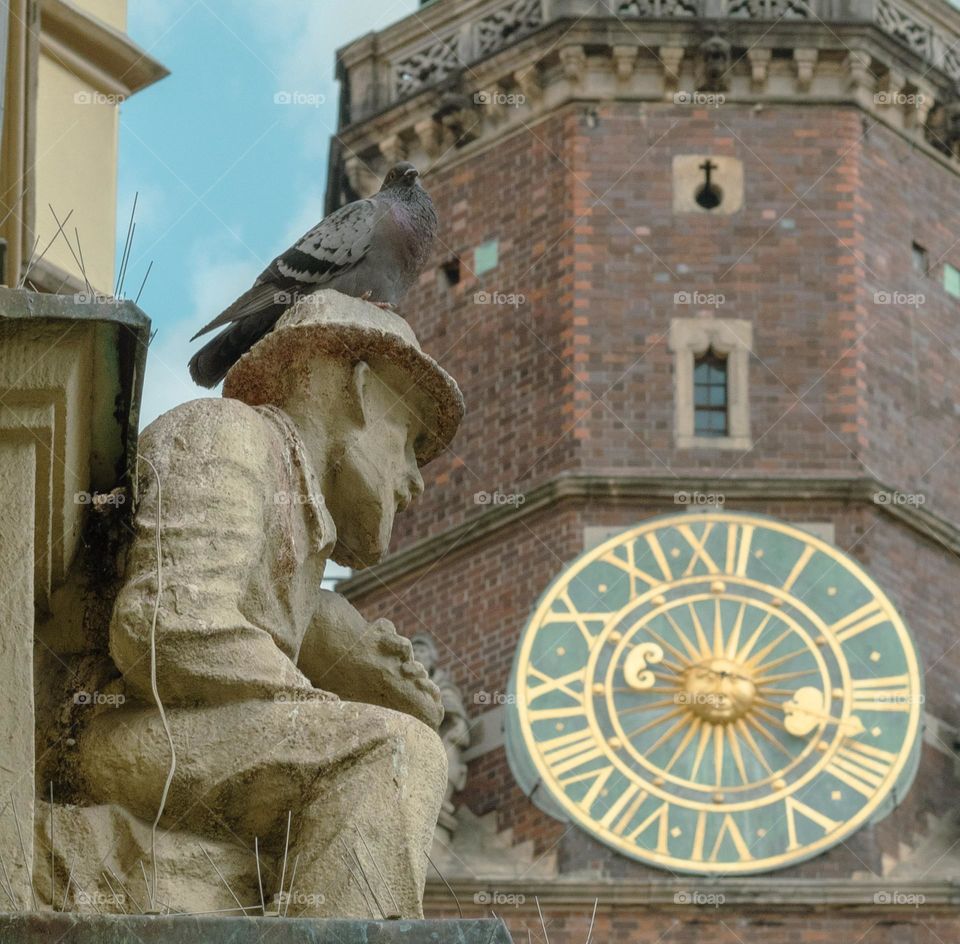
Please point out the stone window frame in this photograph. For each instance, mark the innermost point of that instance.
(731, 337)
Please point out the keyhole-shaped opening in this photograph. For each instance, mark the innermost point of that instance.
(709, 194)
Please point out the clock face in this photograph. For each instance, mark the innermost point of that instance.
(716, 693)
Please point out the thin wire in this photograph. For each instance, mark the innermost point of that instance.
(445, 882)
(293, 878)
(154, 688)
(286, 849)
(256, 852)
(23, 849)
(136, 301)
(222, 879)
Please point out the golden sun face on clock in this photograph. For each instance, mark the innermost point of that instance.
(715, 693)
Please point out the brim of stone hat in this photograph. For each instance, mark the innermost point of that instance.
(337, 325)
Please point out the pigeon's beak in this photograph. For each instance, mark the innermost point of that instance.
(411, 173)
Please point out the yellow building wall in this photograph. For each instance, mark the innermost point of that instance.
(76, 169)
(112, 12)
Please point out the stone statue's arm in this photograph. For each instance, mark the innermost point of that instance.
(214, 465)
(366, 662)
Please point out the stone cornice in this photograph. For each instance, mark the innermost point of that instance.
(94, 51)
(881, 897)
(454, 78)
(635, 490)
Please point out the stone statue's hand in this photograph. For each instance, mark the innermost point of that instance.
(413, 690)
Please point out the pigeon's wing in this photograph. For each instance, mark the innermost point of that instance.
(335, 245)
(262, 295)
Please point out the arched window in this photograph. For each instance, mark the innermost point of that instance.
(710, 394)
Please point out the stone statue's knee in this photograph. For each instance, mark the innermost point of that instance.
(422, 746)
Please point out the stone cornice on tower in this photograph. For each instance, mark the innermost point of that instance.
(457, 76)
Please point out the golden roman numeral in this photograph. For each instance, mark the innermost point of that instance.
(729, 828)
(550, 684)
(619, 816)
(861, 766)
(794, 806)
(630, 566)
(739, 538)
(802, 562)
(890, 693)
(570, 751)
(660, 816)
(659, 556)
(869, 615)
(698, 544)
(573, 615)
(599, 778)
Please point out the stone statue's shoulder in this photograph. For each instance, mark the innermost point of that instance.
(210, 426)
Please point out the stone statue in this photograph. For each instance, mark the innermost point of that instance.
(713, 71)
(454, 730)
(295, 723)
(943, 126)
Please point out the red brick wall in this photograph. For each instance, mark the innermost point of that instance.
(476, 603)
(722, 925)
(839, 386)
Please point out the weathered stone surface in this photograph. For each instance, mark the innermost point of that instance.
(249, 708)
(184, 929)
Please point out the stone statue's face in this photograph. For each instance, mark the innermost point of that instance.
(376, 476)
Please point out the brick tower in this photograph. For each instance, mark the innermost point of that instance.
(694, 254)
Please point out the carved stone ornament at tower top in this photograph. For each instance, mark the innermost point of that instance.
(264, 722)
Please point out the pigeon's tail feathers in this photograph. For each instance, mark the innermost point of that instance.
(210, 364)
(256, 299)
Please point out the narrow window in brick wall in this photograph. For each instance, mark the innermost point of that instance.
(921, 259)
(710, 396)
(711, 382)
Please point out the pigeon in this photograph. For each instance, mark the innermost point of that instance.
(373, 249)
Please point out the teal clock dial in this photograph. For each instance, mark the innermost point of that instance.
(716, 693)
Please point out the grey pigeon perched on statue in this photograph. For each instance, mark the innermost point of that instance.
(374, 249)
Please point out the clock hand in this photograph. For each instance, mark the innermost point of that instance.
(806, 708)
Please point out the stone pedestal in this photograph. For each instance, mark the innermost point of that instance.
(28, 928)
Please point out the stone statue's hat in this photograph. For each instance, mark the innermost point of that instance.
(337, 325)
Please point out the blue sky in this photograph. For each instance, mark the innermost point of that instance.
(226, 177)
